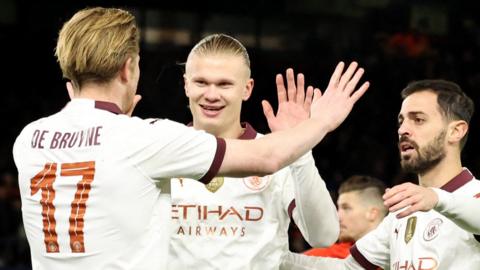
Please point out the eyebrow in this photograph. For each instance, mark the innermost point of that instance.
(411, 114)
(215, 81)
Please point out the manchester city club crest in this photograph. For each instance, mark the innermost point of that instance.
(410, 229)
(257, 183)
(432, 230)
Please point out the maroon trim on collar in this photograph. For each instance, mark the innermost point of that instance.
(477, 237)
(249, 134)
(217, 161)
(461, 179)
(361, 259)
(291, 206)
(107, 106)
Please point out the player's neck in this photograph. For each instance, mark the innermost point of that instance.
(442, 173)
(233, 132)
(103, 92)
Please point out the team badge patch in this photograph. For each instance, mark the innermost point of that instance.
(215, 184)
(256, 183)
(410, 230)
(432, 229)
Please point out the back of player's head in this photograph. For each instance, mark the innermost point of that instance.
(370, 190)
(94, 44)
(218, 44)
(453, 103)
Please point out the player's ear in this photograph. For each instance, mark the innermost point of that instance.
(456, 131)
(126, 70)
(185, 84)
(70, 90)
(372, 213)
(247, 91)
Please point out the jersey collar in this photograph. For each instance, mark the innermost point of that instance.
(461, 179)
(248, 134)
(107, 106)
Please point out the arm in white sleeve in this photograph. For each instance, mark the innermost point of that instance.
(315, 213)
(295, 261)
(460, 209)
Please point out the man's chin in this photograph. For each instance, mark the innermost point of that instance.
(345, 238)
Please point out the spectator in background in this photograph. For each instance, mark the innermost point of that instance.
(360, 210)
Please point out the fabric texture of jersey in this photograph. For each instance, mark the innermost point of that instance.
(234, 223)
(423, 240)
(88, 176)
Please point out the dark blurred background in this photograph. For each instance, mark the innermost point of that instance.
(396, 41)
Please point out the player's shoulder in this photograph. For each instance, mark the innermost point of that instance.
(31, 127)
(470, 186)
(474, 186)
(155, 127)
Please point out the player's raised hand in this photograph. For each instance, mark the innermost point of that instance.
(293, 103)
(136, 98)
(341, 94)
(410, 196)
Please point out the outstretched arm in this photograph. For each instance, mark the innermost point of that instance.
(295, 261)
(312, 207)
(274, 151)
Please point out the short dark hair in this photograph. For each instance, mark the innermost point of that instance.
(362, 182)
(454, 104)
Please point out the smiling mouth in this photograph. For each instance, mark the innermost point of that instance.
(211, 108)
(211, 111)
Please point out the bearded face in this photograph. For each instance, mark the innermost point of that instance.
(418, 160)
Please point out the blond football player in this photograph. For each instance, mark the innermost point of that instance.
(243, 222)
(88, 173)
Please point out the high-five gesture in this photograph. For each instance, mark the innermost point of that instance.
(341, 94)
(293, 103)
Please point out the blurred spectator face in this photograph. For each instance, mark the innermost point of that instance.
(353, 215)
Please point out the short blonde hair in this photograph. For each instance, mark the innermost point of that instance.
(94, 44)
(221, 44)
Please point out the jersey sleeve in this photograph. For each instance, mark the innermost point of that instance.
(373, 249)
(166, 149)
(460, 209)
(314, 213)
(295, 261)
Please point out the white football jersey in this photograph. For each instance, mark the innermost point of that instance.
(423, 240)
(231, 223)
(88, 176)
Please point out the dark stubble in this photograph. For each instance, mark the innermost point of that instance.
(427, 157)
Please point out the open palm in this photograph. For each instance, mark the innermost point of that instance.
(293, 103)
